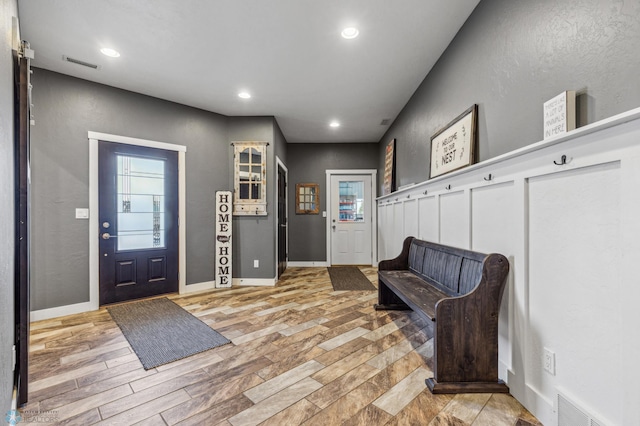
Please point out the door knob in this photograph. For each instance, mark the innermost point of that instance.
(107, 236)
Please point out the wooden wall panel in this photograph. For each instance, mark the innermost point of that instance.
(410, 218)
(429, 219)
(492, 230)
(574, 262)
(454, 219)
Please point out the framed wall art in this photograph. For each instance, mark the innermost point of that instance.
(307, 198)
(454, 146)
(560, 114)
(390, 167)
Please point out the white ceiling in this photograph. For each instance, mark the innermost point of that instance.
(287, 53)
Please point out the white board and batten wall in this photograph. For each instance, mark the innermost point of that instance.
(571, 232)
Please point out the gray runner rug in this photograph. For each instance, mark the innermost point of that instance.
(349, 278)
(160, 331)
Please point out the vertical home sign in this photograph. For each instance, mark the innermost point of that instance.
(223, 239)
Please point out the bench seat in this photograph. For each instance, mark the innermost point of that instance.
(417, 293)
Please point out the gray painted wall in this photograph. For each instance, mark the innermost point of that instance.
(307, 164)
(8, 9)
(253, 237)
(66, 109)
(281, 146)
(280, 149)
(510, 57)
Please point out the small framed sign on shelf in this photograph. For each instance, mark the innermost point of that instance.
(560, 114)
(454, 146)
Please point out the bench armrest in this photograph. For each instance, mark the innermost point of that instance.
(467, 328)
(399, 263)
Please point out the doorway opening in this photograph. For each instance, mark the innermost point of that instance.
(282, 223)
(134, 149)
(138, 218)
(351, 224)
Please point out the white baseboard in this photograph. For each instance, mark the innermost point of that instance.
(263, 282)
(78, 308)
(320, 263)
(532, 399)
(503, 371)
(192, 288)
(61, 311)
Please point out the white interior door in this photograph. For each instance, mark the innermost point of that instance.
(351, 220)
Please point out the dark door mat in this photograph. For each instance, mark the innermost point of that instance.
(160, 331)
(349, 278)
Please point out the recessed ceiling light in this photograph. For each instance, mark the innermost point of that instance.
(110, 52)
(244, 95)
(334, 124)
(350, 33)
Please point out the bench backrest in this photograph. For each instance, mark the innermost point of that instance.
(456, 271)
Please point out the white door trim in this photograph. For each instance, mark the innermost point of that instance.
(286, 180)
(94, 225)
(374, 220)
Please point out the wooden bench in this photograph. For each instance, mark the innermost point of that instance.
(460, 291)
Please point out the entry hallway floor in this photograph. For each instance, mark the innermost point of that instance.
(301, 354)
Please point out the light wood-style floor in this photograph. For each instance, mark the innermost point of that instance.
(301, 354)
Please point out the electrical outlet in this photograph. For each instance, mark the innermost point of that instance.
(256, 263)
(549, 361)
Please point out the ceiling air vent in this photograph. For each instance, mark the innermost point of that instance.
(79, 62)
(385, 122)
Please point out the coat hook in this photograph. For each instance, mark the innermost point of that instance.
(489, 178)
(448, 187)
(425, 192)
(563, 161)
(409, 196)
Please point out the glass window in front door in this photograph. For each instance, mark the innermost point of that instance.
(351, 201)
(140, 203)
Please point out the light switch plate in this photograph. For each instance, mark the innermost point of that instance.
(82, 213)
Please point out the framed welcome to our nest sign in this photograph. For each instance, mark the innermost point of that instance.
(454, 146)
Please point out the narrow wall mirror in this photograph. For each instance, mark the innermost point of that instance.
(250, 178)
(307, 198)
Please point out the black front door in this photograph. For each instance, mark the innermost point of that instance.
(138, 221)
